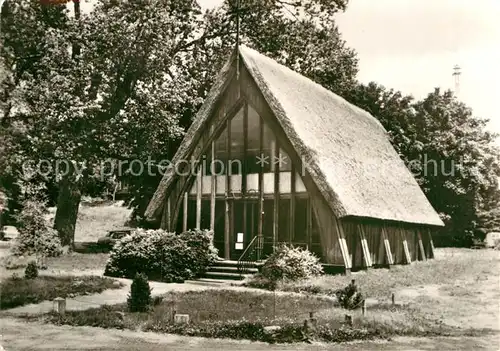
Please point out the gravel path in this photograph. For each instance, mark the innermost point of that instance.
(19, 336)
(112, 296)
(117, 296)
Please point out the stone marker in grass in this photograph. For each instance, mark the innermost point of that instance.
(60, 306)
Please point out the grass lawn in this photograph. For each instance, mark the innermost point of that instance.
(450, 266)
(240, 314)
(19, 335)
(67, 264)
(461, 287)
(455, 294)
(76, 262)
(95, 221)
(17, 292)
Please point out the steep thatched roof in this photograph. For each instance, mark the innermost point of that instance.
(347, 150)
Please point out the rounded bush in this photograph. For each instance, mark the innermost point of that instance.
(35, 234)
(292, 264)
(161, 255)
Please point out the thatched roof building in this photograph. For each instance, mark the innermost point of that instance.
(351, 174)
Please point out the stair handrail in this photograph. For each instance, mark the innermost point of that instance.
(243, 263)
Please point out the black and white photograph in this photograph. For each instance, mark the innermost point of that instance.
(249, 175)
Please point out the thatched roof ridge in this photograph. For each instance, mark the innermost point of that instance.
(347, 151)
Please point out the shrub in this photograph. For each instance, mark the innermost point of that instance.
(161, 255)
(31, 271)
(349, 297)
(289, 332)
(35, 234)
(139, 298)
(292, 264)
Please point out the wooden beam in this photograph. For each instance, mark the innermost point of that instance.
(165, 217)
(354, 249)
(260, 240)
(231, 225)
(381, 256)
(244, 172)
(245, 150)
(309, 224)
(276, 197)
(212, 187)
(431, 245)
(198, 198)
(246, 235)
(387, 246)
(292, 205)
(185, 212)
(367, 259)
(166, 225)
(227, 254)
(261, 176)
(405, 245)
(343, 246)
(421, 246)
(227, 219)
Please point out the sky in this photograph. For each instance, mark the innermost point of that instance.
(413, 45)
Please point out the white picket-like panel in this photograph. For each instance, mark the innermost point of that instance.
(206, 184)
(285, 182)
(236, 183)
(299, 185)
(220, 185)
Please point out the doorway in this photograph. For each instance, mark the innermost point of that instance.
(244, 226)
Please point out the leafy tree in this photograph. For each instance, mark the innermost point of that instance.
(115, 95)
(124, 81)
(23, 34)
(467, 182)
(24, 27)
(450, 152)
(301, 35)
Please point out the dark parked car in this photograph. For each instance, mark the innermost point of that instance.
(113, 236)
(478, 244)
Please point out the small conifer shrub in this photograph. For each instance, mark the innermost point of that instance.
(349, 297)
(139, 298)
(31, 271)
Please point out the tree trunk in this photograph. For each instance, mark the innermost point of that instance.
(69, 196)
(68, 202)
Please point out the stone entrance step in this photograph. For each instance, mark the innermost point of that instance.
(228, 270)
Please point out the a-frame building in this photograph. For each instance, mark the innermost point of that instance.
(273, 157)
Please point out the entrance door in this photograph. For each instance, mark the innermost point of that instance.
(244, 228)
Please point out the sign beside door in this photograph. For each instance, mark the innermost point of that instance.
(238, 245)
